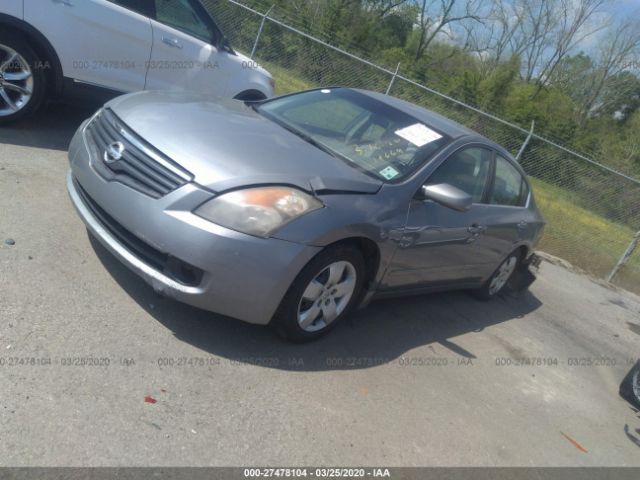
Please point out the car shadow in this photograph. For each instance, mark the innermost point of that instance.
(379, 334)
(52, 127)
(628, 391)
(635, 439)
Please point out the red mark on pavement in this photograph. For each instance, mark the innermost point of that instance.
(149, 399)
(575, 444)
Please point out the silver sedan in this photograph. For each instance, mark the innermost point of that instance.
(295, 210)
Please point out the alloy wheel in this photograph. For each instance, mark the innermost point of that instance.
(326, 296)
(16, 81)
(503, 274)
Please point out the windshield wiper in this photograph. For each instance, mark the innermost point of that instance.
(304, 136)
(309, 139)
(314, 142)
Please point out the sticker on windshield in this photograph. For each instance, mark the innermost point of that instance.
(418, 134)
(389, 173)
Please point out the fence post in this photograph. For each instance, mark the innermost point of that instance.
(393, 79)
(255, 44)
(526, 142)
(625, 257)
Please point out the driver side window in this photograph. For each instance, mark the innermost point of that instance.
(143, 7)
(181, 15)
(467, 169)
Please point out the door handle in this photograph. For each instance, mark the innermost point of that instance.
(172, 42)
(522, 225)
(476, 229)
(68, 3)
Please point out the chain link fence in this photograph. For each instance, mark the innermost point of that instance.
(592, 212)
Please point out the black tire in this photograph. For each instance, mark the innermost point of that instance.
(285, 320)
(485, 292)
(630, 386)
(38, 75)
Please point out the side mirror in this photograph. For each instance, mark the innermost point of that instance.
(224, 44)
(448, 195)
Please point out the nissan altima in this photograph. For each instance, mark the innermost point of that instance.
(295, 210)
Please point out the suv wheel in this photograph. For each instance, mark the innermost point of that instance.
(22, 81)
(322, 294)
(630, 386)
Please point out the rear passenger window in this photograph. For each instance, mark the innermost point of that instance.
(143, 7)
(181, 15)
(467, 170)
(509, 187)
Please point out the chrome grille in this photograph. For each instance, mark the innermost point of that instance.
(140, 166)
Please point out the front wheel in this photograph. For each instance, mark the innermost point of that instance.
(22, 81)
(322, 294)
(496, 283)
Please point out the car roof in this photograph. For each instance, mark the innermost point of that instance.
(432, 119)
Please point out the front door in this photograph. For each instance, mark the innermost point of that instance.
(441, 246)
(101, 42)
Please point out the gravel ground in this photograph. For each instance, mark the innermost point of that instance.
(97, 370)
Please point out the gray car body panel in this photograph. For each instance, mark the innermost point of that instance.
(226, 145)
(239, 281)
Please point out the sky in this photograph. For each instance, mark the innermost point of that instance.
(616, 10)
(626, 7)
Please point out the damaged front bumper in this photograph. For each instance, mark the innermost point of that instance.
(525, 274)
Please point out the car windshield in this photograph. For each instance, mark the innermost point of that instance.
(368, 134)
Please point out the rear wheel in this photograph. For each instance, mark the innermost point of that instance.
(322, 294)
(22, 81)
(496, 283)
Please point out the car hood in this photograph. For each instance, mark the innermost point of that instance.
(226, 144)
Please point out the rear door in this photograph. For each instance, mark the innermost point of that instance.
(184, 55)
(507, 217)
(102, 42)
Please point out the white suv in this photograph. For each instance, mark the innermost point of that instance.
(53, 47)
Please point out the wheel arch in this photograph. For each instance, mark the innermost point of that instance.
(523, 251)
(370, 253)
(251, 94)
(42, 47)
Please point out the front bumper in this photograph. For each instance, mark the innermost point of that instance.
(237, 275)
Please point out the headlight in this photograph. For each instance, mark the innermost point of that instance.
(258, 211)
